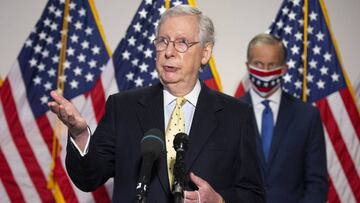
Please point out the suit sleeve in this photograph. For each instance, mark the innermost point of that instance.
(316, 185)
(248, 186)
(97, 166)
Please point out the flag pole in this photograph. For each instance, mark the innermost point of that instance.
(100, 27)
(167, 4)
(56, 147)
(346, 77)
(306, 10)
(212, 65)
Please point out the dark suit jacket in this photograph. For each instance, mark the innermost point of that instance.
(296, 169)
(222, 147)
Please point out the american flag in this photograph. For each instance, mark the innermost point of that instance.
(326, 86)
(27, 130)
(27, 139)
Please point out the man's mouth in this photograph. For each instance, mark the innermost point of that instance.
(169, 68)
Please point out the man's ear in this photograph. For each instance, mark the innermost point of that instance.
(206, 53)
(247, 65)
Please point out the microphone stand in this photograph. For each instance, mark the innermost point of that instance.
(144, 179)
(181, 144)
(151, 146)
(141, 193)
(179, 176)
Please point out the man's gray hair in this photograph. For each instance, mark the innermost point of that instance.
(206, 26)
(269, 39)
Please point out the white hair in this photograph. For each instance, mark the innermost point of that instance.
(206, 26)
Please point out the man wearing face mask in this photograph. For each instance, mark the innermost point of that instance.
(290, 141)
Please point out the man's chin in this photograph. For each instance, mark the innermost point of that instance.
(169, 79)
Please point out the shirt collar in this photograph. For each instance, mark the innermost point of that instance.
(257, 99)
(192, 97)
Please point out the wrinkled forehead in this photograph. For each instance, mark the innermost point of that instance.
(179, 26)
(273, 50)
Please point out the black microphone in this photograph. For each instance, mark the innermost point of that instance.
(152, 145)
(181, 144)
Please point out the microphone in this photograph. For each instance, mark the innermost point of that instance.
(181, 144)
(151, 145)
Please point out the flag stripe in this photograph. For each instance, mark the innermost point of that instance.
(243, 87)
(212, 84)
(98, 100)
(22, 144)
(46, 132)
(8, 182)
(15, 162)
(3, 194)
(29, 138)
(22, 177)
(36, 136)
(240, 91)
(336, 172)
(339, 146)
(64, 183)
(342, 118)
(265, 74)
(108, 80)
(26, 119)
(59, 173)
(89, 113)
(333, 196)
(101, 195)
(352, 110)
(264, 89)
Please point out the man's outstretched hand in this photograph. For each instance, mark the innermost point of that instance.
(71, 117)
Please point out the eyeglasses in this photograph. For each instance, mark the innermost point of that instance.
(181, 45)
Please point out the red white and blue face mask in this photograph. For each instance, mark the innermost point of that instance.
(265, 82)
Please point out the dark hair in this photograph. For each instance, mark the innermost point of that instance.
(264, 38)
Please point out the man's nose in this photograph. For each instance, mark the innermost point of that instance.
(170, 49)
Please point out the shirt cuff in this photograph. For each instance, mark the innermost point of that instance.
(86, 149)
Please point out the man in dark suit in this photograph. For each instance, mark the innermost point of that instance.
(222, 146)
(290, 141)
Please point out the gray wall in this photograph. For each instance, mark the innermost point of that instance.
(236, 22)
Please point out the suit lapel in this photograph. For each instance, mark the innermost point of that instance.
(151, 115)
(203, 124)
(284, 118)
(259, 149)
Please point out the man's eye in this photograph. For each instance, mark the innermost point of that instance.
(183, 41)
(163, 40)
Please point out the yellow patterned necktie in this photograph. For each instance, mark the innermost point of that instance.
(176, 124)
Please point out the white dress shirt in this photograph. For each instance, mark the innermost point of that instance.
(274, 102)
(188, 108)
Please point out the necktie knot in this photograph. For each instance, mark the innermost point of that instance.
(266, 103)
(180, 101)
